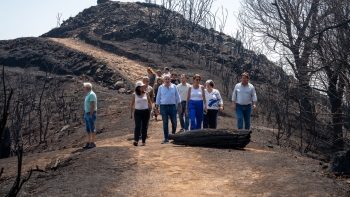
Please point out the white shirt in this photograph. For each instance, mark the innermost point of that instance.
(141, 102)
(196, 94)
(244, 95)
(183, 91)
(163, 75)
(213, 99)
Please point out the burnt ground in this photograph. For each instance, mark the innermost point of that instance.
(117, 168)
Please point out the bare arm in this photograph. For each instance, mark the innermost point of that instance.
(149, 100)
(92, 109)
(204, 99)
(132, 106)
(188, 98)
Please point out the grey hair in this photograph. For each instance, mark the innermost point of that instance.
(88, 85)
(144, 78)
(183, 75)
(210, 82)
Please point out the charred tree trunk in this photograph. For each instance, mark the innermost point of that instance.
(223, 138)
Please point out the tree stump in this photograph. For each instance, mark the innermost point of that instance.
(340, 162)
(221, 138)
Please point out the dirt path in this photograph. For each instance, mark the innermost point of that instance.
(130, 69)
(170, 170)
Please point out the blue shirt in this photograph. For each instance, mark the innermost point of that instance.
(168, 96)
(90, 97)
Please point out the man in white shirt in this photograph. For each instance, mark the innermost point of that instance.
(166, 72)
(183, 91)
(242, 98)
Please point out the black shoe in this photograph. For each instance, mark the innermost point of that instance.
(135, 143)
(92, 145)
(87, 145)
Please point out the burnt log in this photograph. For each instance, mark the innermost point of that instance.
(221, 138)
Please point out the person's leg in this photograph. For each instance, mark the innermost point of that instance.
(247, 114)
(181, 115)
(206, 120)
(186, 120)
(215, 119)
(192, 114)
(164, 113)
(199, 114)
(212, 118)
(137, 118)
(145, 119)
(93, 128)
(239, 114)
(172, 114)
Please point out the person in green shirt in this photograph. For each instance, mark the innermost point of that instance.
(90, 107)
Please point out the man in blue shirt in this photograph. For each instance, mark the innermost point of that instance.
(168, 98)
(90, 107)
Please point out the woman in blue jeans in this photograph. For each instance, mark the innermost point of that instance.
(140, 106)
(196, 103)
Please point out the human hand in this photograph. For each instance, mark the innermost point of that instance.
(205, 109)
(186, 111)
(234, 107)
(221, 108)
(131, 116)
(254, 106)
(180, 110)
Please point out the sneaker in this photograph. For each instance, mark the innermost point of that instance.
(135, 143)
(181, 130)
(165, 142)
(143, 143)
(186, 130)
(87, 145)
(92, 145)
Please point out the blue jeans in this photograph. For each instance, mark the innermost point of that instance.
(168, 111)
(243, 114)
(90, 122)
(184, 123)
(195, 110)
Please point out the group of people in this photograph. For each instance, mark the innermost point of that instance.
(162, 93)
(196, 106)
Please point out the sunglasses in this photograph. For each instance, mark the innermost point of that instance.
(197, 79)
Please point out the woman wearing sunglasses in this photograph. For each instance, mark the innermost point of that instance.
(196, 102)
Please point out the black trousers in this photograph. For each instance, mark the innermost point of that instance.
(210, 120)
(141, 117)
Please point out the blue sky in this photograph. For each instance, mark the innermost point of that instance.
(24, 18)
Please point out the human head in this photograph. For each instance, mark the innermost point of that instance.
(174, 75)
(139, 87)
(87, 87)
(166, 70)
(183, 78)
(196, 79)
(166, 79)
(150, 70)
(209, 84)
(159, 81)
(159, 73)
(245, 78)
(145, 80)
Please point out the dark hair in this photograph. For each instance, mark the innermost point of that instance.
(138, 91)
(166, 68)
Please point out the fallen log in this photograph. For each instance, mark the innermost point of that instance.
(221, 138)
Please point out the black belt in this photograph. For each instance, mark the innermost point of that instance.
(244, 105)
(167, 105)
(89, 112)
(141, 109)
(183, 101)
